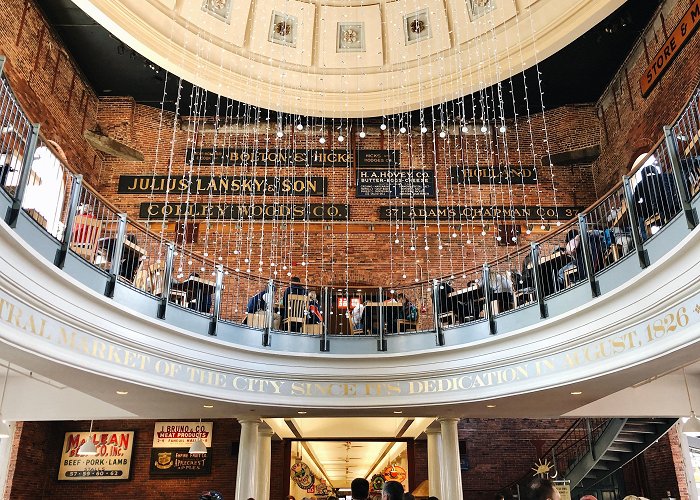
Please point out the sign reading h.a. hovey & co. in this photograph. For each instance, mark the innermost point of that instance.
(170, 454)
(112, 462)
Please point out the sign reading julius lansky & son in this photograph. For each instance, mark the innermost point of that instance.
(170, 454)
(498, 174)
(112, 462)
(395, 183)
(223, 185)
(270, 157)
(246, 211)
(378, 158)
(472, 213)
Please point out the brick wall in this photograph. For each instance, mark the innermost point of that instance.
(631, 124)
(48, 84)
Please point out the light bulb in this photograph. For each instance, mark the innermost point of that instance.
(502, 130)
(341, 138)
(443, 135)
(382, 126)
(363, 135)
(483, 129)
(300, 127)
(322, 140)
(396, 240)
(454, 235)
(402, 130)
(423, 129)
(280, 133)
(465, 129)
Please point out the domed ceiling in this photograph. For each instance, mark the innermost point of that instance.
(346, 58)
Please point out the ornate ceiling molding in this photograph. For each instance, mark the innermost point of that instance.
(346, 59)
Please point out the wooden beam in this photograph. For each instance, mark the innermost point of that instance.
(112, 146)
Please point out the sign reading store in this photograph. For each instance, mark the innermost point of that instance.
(270, 157)
(219, 185)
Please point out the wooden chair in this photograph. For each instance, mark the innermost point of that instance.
(570, 276)
(297, 305)
(447, 318)
(405, 325)
(86, 232)
(352, 329)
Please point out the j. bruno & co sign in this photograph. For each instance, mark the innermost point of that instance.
(170, 454)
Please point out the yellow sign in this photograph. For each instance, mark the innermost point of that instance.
(564, 490)
(113, 459)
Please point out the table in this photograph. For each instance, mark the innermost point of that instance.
(466, 302)
(131, 255)
(392, 313)
(549, 266)
(197, 291)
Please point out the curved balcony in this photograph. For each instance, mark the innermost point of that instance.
(82, 292)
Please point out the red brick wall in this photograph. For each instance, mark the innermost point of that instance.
(631, 124)
(659, 470)
(47, 83)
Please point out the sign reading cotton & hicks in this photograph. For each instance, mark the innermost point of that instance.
(170, 454)
(112, 462)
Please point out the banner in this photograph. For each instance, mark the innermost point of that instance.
(499, 174)
(270, 157)
(244, 212)
(112, 462)
(388, 183)
(222, 185)
(472, 213)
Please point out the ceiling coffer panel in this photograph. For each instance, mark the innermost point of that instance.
(283, 30)
(350, 37)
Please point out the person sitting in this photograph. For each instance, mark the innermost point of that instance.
(501, 290)
(574, 249)
(358, 316)
(257, 302)
(408, 312)
(313, 314)
(655, 195)
(198, 295)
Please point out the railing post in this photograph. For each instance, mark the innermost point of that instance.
(589, 433)
(537, 273)
(587, 255)
(691, 216)
(634, 223)
(488, 298)
(116, 263)
(436, 314)
(381, 342)
(27, 160)
(167, 280)
(76, 187)
(214, 322)
(269, 313)
(2, 63)
(325, 343)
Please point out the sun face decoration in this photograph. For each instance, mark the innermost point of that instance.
(545, 469)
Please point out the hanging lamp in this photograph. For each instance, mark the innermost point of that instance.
(88, 447)
(692, 426)
(198, 447)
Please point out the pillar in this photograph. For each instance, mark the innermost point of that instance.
(434, 460)
(451, 473)
(6, 445)
(247, 459)
(264, 462)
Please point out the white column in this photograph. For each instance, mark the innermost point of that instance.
(434, 460)
(451, 473)
(247, 459)
(264, 462)
(5, 455)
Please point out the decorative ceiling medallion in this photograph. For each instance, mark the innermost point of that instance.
(351, 37)
(220, 9)
(416, 26)
(283, 29)
(478, 8)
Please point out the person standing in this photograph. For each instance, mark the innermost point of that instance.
(393, 490)
(359, 489)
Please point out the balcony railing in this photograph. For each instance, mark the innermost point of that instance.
(38, 180)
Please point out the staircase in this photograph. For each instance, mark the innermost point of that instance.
(620, 441)
(594, 448)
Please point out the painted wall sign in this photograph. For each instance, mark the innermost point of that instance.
(378, 158)
(670, 49)
(472, 213)
(222, 185)
(179, 462)
(395, 183)
(244, 211)
(180, 434)
(270, 157)
(499, 174)
(112, 462)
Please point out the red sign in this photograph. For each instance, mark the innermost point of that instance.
(670, 49)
